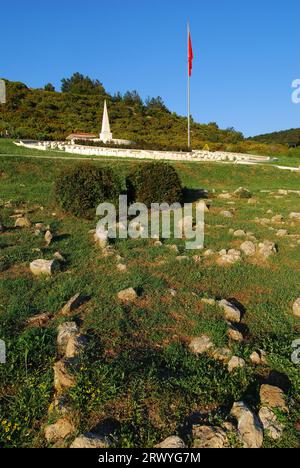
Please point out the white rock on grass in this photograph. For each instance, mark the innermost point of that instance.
(258, 357)
(90, 441)
(101, 238)
(226, 214)
(39, 320)
(235, 363)
(271, 425)
(59, 431)
(127, 295)
(249, 426)
(23, 222)
(273, 397)
(222, 354)
(295, 216)
(282, 233)
(296, 308)
(231, 312)
(248, 248)
(242, 193)
(208, 437)
(75, 346)
(229, 258)
(239, 233)
(121, 267)
(234, 334)
(171, 442)
(65, 331)
(266, 249)
(44, 267)
(63, 379)
(48, 237)
(72, 304)
(201, 344)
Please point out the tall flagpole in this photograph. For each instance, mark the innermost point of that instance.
(189, 90)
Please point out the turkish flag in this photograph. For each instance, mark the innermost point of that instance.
(190, 55)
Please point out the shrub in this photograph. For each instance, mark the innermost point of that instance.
(154, 183)
(82, 188)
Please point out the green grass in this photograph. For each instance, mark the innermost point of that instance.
(137, 369)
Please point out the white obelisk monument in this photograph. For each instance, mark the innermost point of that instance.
(105, 134)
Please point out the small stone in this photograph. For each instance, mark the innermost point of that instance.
(171, 442)
(270, 423)
(277, 219)
(72, 305)
(222, 354)
(296, 308)
(182, 258)
(208, 437)
(231, 312)
(235, 363)
(173, 292)
(38, 320)
(127, 295)
(234, 334)
(282, 233)
(63, 380)
(197, 258)
(65, 332)
(158, 243)
(58, 431)
(208, 301)
(266, 249)
(208, 253)
(242, 193)
(90, 441)
(101, 238)
(172, 247)
(121, 267)
(226, 214)
(75, 346)
(239, 233)
(48, 237)
(295, 216)
(201, 344)
(249, 426)
(224, 196)
(58, 256)
(248, 248)
(44, 267)
(23, 222)
(258, 358)
(273, 397)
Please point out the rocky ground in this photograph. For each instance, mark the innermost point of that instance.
(142, 343)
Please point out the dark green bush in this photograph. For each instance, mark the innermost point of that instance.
(155, 182)
(83, 187)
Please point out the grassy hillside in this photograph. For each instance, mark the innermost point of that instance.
(137, 370)
(290, 137)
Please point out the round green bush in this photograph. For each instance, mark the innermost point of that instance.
(82, 188)
(155, 182)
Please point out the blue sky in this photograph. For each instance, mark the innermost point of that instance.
(246, 53)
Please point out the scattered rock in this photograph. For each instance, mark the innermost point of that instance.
(270, 423)
(172, 247)
(182, 258)
(171, 442)
(127, 295)
(75, 346)
(63, 379)
(121, 267)
(208, 253)
(91, 441)
(44, 267)
(258, 358)
(234, 334)
(209, 437)
(249, 426)
(23, 222)
(224, 196)
(101, 238)
(72, 305)
(226, 214)
(207, 301)
(296, 308)
(201, 344)
(65, 332)
(273, 397)
(173, 292)
(58, 431)
(58, 256)
(158, 243)
(242, 193)
(48, 238)
(282, 233)
(222, 354)
(277, 219)
(266, 249)
(295, 216)
(235, 363)
(248, 248)
(229, 258)
(39, 320)
(231, 312)
(239, 233)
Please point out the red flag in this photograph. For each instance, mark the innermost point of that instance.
(190, 55)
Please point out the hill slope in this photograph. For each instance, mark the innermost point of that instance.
(285, 137)
(40, 114)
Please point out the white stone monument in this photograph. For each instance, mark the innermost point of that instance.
(105, 134)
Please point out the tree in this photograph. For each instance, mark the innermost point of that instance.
(132, 98)
(155, 103)
(80, 84)
(49, 87)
